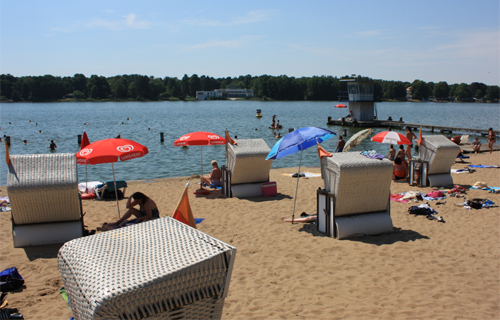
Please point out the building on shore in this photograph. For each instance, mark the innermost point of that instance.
(224, 93)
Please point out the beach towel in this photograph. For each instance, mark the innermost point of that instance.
(372, 154)
(398, 198)
(304, 174)
(483, 166)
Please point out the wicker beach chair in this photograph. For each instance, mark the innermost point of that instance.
(355, 200)
(159, 269)
(43, 192)
(441, 154)
(247, 168)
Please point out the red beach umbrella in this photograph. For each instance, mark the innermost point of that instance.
(390, 137)
(200, 138)
(109, 151)
(340, 105)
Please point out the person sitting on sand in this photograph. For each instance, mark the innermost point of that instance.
(392, 153)
(476, 145)
(340, 145)
(491, 139)
(214, 177)
(147, 211)
(399, 170)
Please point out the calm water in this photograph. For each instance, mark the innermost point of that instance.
(143, 122)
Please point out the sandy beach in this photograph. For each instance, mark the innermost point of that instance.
(422, 270)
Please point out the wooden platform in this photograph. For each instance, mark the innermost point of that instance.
(414, 126)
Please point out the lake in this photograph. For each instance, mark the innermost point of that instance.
(143, 122)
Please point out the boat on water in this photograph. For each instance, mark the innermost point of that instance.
(259, 113)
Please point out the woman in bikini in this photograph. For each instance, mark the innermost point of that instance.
(410, 136)
(491, 139)
(147, 211)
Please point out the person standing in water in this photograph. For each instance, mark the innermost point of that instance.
(52, 146)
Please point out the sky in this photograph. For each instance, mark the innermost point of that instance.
(454, 41)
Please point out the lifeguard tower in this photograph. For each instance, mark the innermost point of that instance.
(359, 95)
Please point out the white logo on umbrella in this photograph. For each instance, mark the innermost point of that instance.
(125, 148)
(85, 152)
(213, 137)
(184, 138)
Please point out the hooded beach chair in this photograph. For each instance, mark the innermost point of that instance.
(441, 153)
(356, 197)
(247, 168)
(159, 269)
(43, 192)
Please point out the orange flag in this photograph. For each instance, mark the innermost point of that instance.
(7, 157)
(183, 211)
(85, 141)
(420, 139)
(229, 139)
(322, 152)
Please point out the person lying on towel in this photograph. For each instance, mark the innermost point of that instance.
(147, 211)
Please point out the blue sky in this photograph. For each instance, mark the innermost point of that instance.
(454, 41)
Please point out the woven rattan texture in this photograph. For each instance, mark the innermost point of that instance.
(43, 188)
(440, 152)
(247, 161)
(145, 271)
(360, 184)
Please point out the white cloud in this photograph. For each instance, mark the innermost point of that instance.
(251, 17)
(129, 22)
(237, 43)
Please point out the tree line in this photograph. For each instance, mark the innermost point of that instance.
(135, 87)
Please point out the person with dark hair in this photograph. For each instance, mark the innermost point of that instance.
(340, 145)
(491, 139)
(52, 146)
(392, 153)
(410, 136)
(399, 171)
(401, 152)
(147, 211)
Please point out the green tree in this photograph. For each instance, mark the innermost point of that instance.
(492, 93)
(185, 85)
(441, 90)
(479, 94)
(156, 87)
(15, 96)
(194, 85)
(94, 92)
(419, 90)
(78, 94)
(132, 90)
(118, 89)
(463, 92)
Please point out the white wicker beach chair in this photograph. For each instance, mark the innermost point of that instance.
(356, 197)
(441, 154)
(160, 269)
(43, 192)
(248, 167)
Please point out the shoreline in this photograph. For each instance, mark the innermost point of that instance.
(423, 269)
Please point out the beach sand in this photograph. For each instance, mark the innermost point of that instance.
(423, 270)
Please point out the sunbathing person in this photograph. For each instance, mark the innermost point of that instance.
(410, 136)
(399, 171)
(147, 211)
(476, 145)
(491, 139)
(214, 177)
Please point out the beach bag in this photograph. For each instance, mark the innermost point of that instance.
(10, 280)
(475, 203)
(419, 211)
(111, 194)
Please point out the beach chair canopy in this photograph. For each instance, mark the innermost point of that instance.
(247, 161)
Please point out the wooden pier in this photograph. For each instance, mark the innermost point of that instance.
(413, 126)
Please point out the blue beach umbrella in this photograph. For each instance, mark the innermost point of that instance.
(296, 141)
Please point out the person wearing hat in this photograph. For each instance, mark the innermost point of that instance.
(213, 178)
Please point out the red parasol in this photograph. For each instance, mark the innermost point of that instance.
(391, 137)
(109, 151)
(200, 138)
(340, 105)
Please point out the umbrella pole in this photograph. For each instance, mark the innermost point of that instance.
(201, 177)
(297, 187)
(116, 192)
(86, 180)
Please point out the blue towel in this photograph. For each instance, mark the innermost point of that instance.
(198, 220)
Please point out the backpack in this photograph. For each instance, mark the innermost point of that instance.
(475, 203)
(10, 280)
(419, 211)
